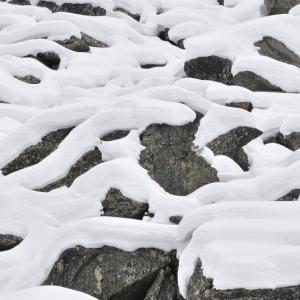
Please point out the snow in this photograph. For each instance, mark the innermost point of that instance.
(106, 89)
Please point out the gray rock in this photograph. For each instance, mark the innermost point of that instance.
(291, 196)
(231, 143)
(275, 7)
(115, 135)
(242, 105)
(117, 205)
(291, 141)
(210, 68)
(201, 288)
(75, 44)
(34, 154)
(20, 2)
(91, 42)
(254, 82)
(110, 273)
(137, 17)
(170, 160)
(75, 8)
(29, 79)
(175, 219)
(277, 50)
(49, 59)
(8, 241)
(85, 163)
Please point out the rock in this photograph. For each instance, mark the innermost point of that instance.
(291, 196)
(20, 2)
(115, 135)
(75, 44)
(210, 68)
(137, 17)
(201, 288)
(254, 82)
(91, 42)
(75, 8)
(291, 141)
(117, 205)
(34, 154)
(221, 2)
(8, 241)
(29, 79)
(150, 66)
(277, 50)
(170, 160)
(231, 143)
(275, 7)
(85, 163)
(175, 219)
(242, 105)
(111, 274)
(49, 59)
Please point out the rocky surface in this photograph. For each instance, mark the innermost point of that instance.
(275, 7)
(291, 141)
(117, 205)
(111, 274)
(49, 59)
(8, 241)
(171, 161)
(29, 79)
(34, 154)
(231, 143)
(291, 196)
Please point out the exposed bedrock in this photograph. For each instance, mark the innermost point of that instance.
(110, 273)
(117, 205)
(275, 7)
(8, 241)
(75, 8)
(231, 143)
(201, 288)
(171, 161)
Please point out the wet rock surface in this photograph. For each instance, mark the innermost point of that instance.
(76, 8)
(170, 160)
(136, 275)
(201, 288)
(275, 7)
(210, 68)
(231, 143)
(8, 241)
(34, 154)
(117, 205)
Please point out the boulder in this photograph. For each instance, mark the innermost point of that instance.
(111, 274)
(49, 59)
(8, 241)
(171, 161)
(275, 7)
(291, 141)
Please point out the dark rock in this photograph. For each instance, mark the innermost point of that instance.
(277, 50)
(75, 44)
(29, 79)
(242, 105)
(291, 196)
(115, 135)
(291, 141)
(112, 274)
(221, 2)
(8, 241)
(275, 7)
(210, 68)
(201, 288)
(231, 143)
(150, 66)
(117, 205)
(170, 160)
(91, 42)
(34, 154)
(137, 17)
(85, 163)
(49, 59)
(19, 2)
(75, 8)
(163, 35)
(175, 219)
(254, 82)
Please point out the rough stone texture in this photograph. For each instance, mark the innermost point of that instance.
(85, 163)
(115, 135)
(75, 44)
(117, 205)
(49, 59)
(291, 196)
(110, 273)
(175, 219)
(137, 17)
(8, 241)
(210, 68)
(75, 8)
(291, 141)
(201, 288)
(91, 42)
(231, 143)
(242, 105)
(277, 50)
(275, 7)
(254, 82)
(20, 2)
(29, 79)
(34, 154)
(170, 160)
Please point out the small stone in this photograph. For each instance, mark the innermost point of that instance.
(242, 105)
(175, 219)
(8, 241)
